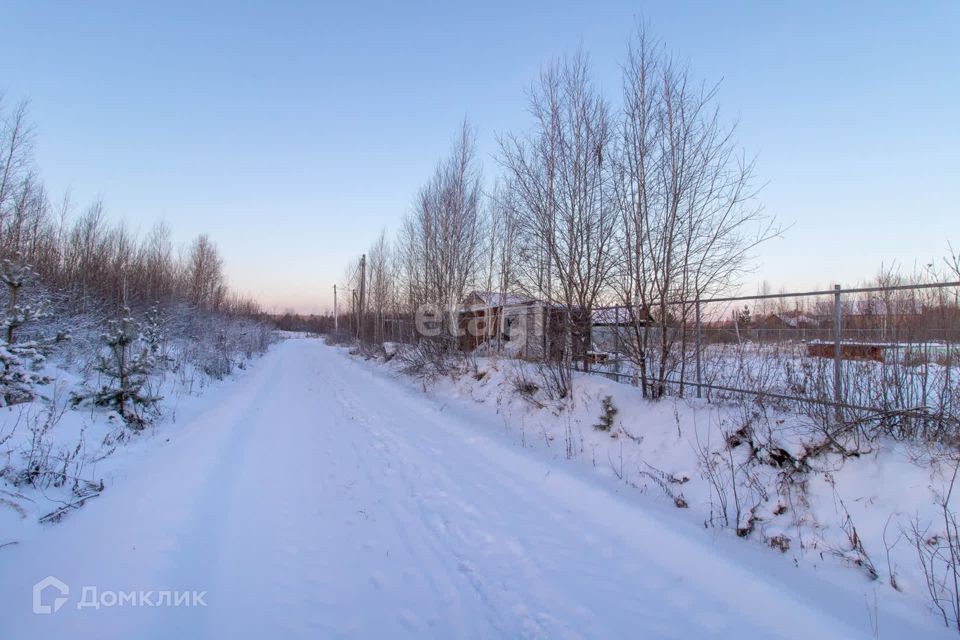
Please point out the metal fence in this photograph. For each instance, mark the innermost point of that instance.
(876, 349)
(883, 349)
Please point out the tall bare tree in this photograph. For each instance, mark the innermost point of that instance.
(379, 287)
(685, 193)
(441, 240)
(205, 273)
(560, 173)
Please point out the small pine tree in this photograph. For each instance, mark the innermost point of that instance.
(155, 338)
(607, 415)
(127, 367)
(19, 360)
(17, 377)
(744, 319)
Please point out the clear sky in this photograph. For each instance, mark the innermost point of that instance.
(294, 131)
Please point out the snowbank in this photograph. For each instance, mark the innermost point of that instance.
(740, 470)
(56, 455)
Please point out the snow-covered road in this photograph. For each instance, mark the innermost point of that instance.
(317, 498)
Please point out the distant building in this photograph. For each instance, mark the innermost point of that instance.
(616, 327)
(497, 322)
(788, 320)
(518, 325)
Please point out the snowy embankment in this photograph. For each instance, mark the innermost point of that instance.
(739, 470)
(318, 496)
(57, 452)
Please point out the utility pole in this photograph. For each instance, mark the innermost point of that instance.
(336, 323)
(353, 316)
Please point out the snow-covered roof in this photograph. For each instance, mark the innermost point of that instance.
(477, 300)
(898, 306)
(796, 320)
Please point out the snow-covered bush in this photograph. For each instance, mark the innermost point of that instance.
(44, 463)
(209, 347)
(937, 546)
(17, 376)
(155, 338)
(125, 372)
(432, 356)
(19, 360)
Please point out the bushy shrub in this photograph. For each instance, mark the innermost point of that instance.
(432, 356)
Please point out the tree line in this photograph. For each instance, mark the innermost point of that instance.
(86, 257)
(646, 205)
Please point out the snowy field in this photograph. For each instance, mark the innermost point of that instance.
(316, 495)
(909, 376)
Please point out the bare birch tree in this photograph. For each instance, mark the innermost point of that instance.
(205, 273)
(689, 210)
(559, 173)
(379, 285)
(442, 238)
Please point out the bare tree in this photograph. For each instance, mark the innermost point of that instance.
(86, 257)
(205, 273)
(560, 175)
(441, 240)
(379, 285)
(689, 210)
(16, 158)
(156, 269)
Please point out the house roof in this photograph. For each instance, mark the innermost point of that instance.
(477, 300)
(795, 320)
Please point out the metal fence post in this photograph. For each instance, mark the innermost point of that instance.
(837, 329)
(616, 339)
(699, 380)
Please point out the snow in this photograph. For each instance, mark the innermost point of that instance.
(315, 495)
